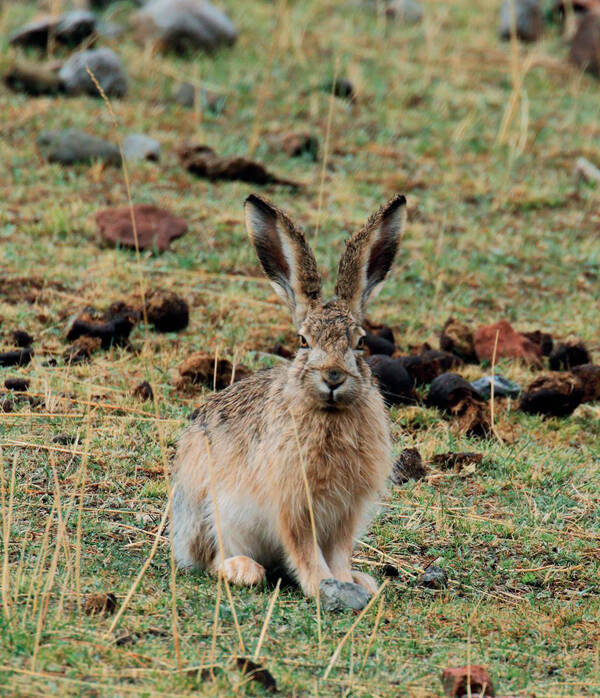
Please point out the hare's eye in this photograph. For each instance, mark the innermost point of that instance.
(360, 345)
(303, 342)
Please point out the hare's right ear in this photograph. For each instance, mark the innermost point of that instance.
(285, 256)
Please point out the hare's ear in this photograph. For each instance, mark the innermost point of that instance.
(285, 256)
(369, 255)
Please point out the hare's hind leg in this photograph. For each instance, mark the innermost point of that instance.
(193, 541)
(241, 570)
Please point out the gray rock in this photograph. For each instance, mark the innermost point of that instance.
(502, 387)
(70, 28)
(336, 595)
(105, 66)
(407, 11)
(137, 146)
(529, 19)
(185, 94)
(110, 30)
(71, 146)
(434, 577)
(179, 24)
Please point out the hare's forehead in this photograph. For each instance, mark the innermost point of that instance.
(330, 323)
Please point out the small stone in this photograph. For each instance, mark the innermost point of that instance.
(71, 146)
(185, 94)
(407, 11)
(105, 66)
(528, 20)
(434, 577)
(143, 391)
(185, 24)
(502, 387)
(155, 227)
(97, 604)
(408, 466)
(337, 596)
(70, 29)
(467, 680)
(137, 146)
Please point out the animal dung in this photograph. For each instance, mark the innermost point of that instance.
(258, 673)
(19, 384)
(201, 368)
(18, 357)
(143, 391)
(384, 331)
(589, 375)
(155, 227)
(202, 161)
(342, 88)
(376, 344)
(408, 466)
(467, 680)
(585, 44)
(553, 395)
(572, 352)
(297, 144)
(457, 397)
(22, 339)
(167, 311)
(424, 367)
(395, 385)
(508, 343)
(97, 604)
(457, 338)
(112, 332)
(433, 577)
(82, 349)
(457, 461)
(543, 340)
(33, 79)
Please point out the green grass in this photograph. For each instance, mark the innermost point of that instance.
(496, 230)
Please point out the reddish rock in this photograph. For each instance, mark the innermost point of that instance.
(155, 227)
(585, 45)
(473, 679)
(511, 344)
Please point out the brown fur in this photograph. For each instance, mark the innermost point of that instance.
(242, 464)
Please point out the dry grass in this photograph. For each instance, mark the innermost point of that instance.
(482, 138)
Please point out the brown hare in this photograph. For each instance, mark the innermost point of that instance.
(240, 502)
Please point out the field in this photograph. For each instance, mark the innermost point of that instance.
(482, 137)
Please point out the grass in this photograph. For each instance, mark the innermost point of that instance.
(498, 228)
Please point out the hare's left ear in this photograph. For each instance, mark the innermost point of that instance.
(369, 255)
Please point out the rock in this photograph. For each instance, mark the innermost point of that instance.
(424, 367)
(408, 466)
(155, 227)
(589, 375)
(298, 144)
(434, 577)
(571, 352)
(71, 146)
(456, 396)
(183, 24)
(33, 79)
(553, 395)
(100, 604)
(199, 369)
(375, 344)
(70, 29)
(510, 344)
(22, 339)
(502, 387)
(586, 171)
(395, 385)
(467, 680)
(167, 311)
(542, 339)
(186, 95)
(19, 384)
(528, 20)
(105, 66)
(109, 30)
(585, 44)
(204, 162)
(337, 596)
(457, 338)
(407, 11)
(457, 461)
(143, 391)
(137, 146)
(19, 357)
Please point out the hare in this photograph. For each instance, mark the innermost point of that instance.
(300, 451)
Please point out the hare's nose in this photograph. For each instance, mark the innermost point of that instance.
(333, 377)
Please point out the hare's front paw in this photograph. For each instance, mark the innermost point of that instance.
(242, 570)
(365, 581)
